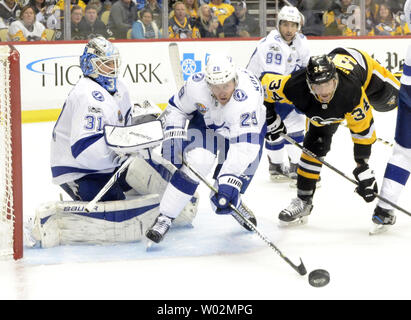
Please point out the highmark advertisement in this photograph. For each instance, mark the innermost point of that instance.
(49, 71)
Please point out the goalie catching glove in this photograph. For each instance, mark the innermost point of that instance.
(275, 126)
(229, 188)
(367, 186)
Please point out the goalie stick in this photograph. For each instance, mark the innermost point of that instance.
(311, 154)
(300, 268)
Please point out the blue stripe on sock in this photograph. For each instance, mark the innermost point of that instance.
(396, 173)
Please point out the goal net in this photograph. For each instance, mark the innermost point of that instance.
(11, 240)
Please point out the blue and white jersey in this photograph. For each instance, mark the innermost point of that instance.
(274, 55)
(78, 146)
(241, 120)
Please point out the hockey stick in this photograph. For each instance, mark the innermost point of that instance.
(300, 268)
(311, 154)
(175, 63)
(109, 183)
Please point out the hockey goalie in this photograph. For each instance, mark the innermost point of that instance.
(103, 156)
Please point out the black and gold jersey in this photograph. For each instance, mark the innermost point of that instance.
(349, 102)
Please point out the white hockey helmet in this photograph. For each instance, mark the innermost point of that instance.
(407, 12)
(219, 69)
(289, 13)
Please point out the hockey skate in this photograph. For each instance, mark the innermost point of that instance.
(246, 214)
(382, 220)
(159, 229)
(296, 213)
(279, 172)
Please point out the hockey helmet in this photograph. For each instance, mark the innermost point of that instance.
(289, 13)
(101, 61)
(320, 69)
(219, 69)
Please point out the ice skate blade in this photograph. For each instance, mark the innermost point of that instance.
(297, 222)
(148, 243)
(378, 229)
(279, 178)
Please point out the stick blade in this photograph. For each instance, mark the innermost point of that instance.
(174, 55)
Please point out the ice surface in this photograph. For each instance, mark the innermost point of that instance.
(217, 259)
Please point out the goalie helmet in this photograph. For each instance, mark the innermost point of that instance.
(219, 69)
(289, 13)
(101, 61)
(320, 69)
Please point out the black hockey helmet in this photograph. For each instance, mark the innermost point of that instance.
(320, 69)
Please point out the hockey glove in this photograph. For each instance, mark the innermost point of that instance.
(275, 126)
(229, 188)
(172, 147)
(367, 186)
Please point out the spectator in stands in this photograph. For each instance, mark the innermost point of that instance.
(208, 24)
(313, 11)
(371, 10)
(179, 26)
(49, 15)
(240, 24)
(386, 25)
(76, 16)
(145, 27)
(155, 8)
(91, 25)
(37, 5)
(221, 10)
(192, 9)
(26, 28)
(339, 20)
(122, 15)
(9, 12)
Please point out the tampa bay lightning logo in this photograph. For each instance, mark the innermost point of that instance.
(98, 96)
(239, 95)
(197, 77)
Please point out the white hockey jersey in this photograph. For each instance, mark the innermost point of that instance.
(241, 120)
(273, 54)
(18, 32)
(78, 146)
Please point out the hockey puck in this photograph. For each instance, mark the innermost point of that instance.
(319, 278)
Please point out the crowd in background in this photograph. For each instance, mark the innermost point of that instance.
(30, 20)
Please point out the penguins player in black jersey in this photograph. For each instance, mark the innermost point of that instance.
(345, 84)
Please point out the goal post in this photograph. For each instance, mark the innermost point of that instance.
(11, 201)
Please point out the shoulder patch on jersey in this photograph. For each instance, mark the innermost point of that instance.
(201, 108)
(239, 95)
(198, 76)
(274, 48)
(98, 96)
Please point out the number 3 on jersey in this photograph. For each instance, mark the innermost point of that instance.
(92, 121)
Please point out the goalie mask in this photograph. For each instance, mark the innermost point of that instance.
(101, 61)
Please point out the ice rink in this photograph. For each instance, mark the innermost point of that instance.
(217, 259)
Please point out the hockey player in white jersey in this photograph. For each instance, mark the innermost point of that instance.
(283, 51)
(225, 113)
(398, 167)
(83, 160)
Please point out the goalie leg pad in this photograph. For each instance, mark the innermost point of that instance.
(149, 176)
(66, 222)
